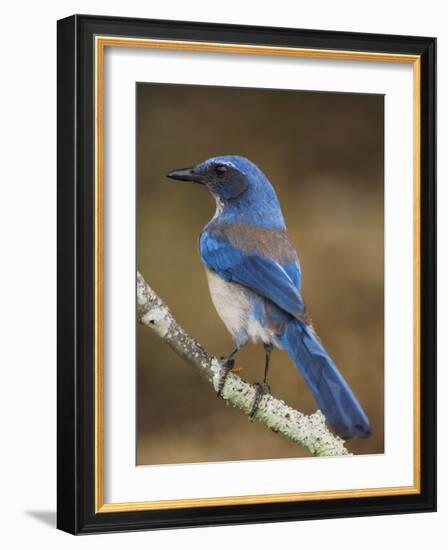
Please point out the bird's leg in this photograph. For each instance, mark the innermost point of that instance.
(227, 364)
(262, 388)
(267, 350)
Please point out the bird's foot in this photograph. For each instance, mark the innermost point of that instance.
(261, 388)
(226, 366)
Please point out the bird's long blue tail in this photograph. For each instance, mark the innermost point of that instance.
(336, 400)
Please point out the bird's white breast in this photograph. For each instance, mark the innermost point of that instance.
(231, 302)
(234, 304)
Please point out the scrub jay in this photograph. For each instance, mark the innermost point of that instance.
(254, 278)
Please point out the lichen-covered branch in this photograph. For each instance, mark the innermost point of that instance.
(309, 431)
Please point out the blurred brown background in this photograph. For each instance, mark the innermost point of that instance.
(323, 152)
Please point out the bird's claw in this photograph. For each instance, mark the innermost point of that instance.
(261, 388)
(226, 366)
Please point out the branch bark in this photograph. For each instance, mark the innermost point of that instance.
(310, 431)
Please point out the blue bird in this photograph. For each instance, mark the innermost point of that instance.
(254, 278)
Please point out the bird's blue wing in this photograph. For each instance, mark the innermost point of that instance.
(255, 271)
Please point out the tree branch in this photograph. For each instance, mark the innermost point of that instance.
(309, 431)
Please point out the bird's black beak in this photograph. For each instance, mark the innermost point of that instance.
(185, 174)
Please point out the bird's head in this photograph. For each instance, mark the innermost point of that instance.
(241, 190)
(226, 177)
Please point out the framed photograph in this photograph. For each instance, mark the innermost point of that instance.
(246, 274)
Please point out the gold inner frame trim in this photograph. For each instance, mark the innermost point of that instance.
(101, 42)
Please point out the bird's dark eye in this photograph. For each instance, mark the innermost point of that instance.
(221, 169)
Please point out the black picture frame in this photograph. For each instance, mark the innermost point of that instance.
(76, 255)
